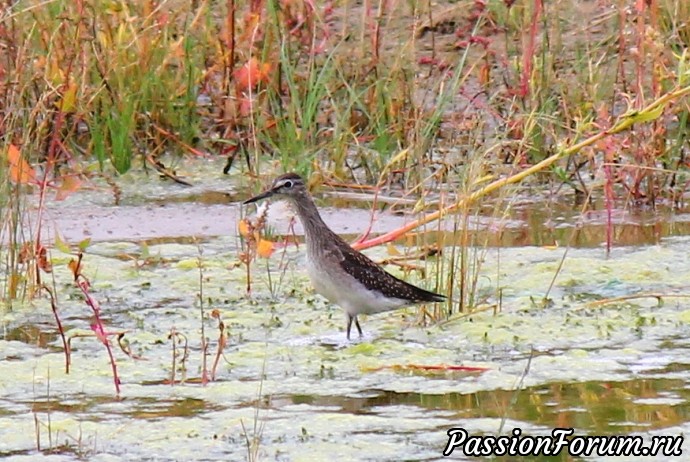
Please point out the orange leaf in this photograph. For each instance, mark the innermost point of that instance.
(264, 248)
(42, 259)
(243, 227)
(75, 267)
(251, 74)
(69, 185)
(20, 170)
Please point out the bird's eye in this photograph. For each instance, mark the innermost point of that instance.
(288, 184)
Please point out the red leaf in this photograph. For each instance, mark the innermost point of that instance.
(251, 74)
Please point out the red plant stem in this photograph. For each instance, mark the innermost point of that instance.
(376, 33)
(528, 55)
(423, 367)
(204, 342)
(622, 45)
(51, 158)
(174, 356)
(219, 352)
(61, 330)
(230, 44)
(77, 39)
(44, 182)
(639, 7)
(83, 285)
(177, 140)
(656, 57)
(249, 279)
(204, 366)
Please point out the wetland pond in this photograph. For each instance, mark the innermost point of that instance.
(290, 385)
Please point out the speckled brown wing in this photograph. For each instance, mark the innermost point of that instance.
(373, 277)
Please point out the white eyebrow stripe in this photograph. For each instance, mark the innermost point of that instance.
(282, 183)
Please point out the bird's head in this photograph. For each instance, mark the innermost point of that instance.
(287, 186)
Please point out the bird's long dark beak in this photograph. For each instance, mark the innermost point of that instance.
(258, 197)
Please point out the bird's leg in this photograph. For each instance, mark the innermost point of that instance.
(359, 329)
(351, 318)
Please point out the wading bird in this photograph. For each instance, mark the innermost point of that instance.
(343, 275)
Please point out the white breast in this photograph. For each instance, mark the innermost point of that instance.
(343, 290)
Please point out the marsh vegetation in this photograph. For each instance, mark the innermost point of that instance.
(527, 158)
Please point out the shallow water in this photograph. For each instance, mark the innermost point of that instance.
(289, 380)
(154, 210)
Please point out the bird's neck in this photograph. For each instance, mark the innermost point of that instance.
(317, 233)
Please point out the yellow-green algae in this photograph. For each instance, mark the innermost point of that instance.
(318, 397)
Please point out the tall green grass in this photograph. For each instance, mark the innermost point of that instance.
(339, 90)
